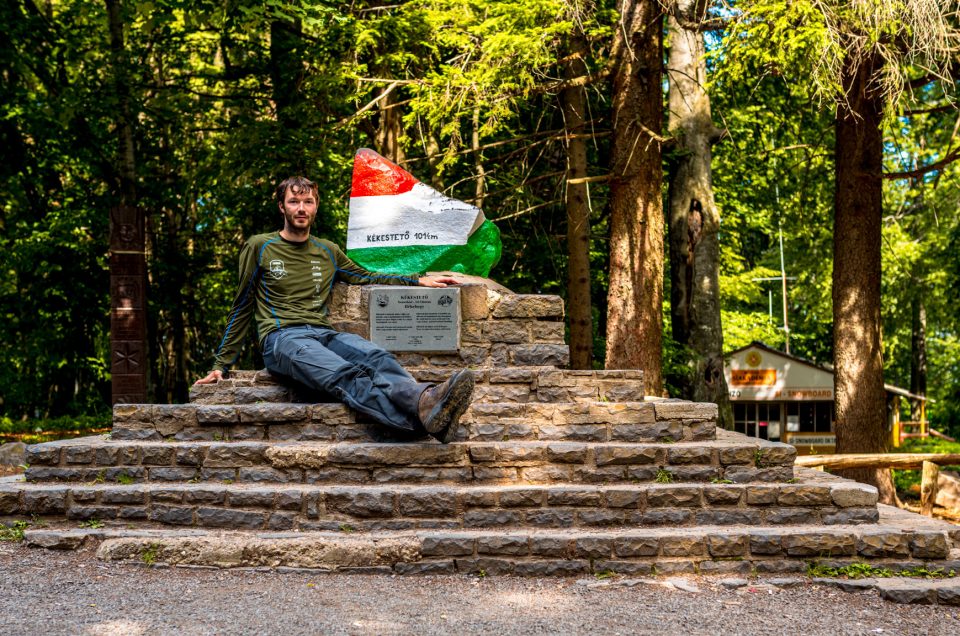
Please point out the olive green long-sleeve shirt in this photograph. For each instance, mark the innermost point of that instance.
(284, 284)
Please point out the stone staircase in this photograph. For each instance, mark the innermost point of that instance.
(556, 472)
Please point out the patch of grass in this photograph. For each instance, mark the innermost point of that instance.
(91, 523)
(14, 532)
(99, 479)
(666, 440)
(758, 460)
(922, 572)
(720, 480)
(605, 574)
(664, 476)
(347, 528)
(793, 480)
(34, 431)
(150, 553)
(861, 570)
(125, 479)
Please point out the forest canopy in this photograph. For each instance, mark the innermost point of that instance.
(225, 99)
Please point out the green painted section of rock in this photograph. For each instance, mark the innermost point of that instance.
(476, 258)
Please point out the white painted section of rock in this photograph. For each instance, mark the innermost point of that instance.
(420, 216)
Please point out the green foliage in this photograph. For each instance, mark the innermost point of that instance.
(861, 570)
(229, 98)
(664, 476)
(149, 554)
(13, 532)
(32, 431)
(858, 570)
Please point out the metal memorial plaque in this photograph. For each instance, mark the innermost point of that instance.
(425, 319)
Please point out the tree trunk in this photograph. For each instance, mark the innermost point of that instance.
(858, 206)
(579, 309)
(390, 129)
(694, 221)
(918, 354)
(635, 296)
(480, 186)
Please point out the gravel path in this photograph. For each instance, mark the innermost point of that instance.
(43, 592)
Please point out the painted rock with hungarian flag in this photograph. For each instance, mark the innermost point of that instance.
(398, 224)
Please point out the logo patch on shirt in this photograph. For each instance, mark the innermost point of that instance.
(277, 269)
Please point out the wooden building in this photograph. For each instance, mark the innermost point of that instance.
(784, 398)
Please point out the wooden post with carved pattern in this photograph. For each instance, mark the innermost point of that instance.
(128, 306)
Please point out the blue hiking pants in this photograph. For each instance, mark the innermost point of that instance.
(350, 368)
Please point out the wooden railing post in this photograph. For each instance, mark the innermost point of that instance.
(928, 488)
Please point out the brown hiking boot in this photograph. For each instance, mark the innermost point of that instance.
(442, 405)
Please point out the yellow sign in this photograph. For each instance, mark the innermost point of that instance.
(753, 377)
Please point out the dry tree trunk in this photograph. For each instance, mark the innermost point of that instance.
(579, 306)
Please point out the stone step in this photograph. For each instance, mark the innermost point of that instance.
(895, 544)
(736, 459)
(498, 384)
(402, 507)
(648, 421)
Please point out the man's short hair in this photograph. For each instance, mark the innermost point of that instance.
(296, 185)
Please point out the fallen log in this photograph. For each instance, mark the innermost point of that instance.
(878, 460)
(940, 435)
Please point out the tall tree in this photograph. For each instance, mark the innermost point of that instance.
(860, 55)
(635, 295)
(858, 211)
(573, 100)
(694, 219)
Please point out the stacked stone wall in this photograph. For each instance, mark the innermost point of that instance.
(497, 329)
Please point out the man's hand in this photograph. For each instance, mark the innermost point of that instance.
(211, 378)
(437, 281)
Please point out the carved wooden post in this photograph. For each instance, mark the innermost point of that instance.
(128, 307)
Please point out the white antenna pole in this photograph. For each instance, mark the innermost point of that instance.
(783, 277)
(783, 270)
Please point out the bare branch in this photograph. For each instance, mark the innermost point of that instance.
(597, 179)
(522, 212)
(373, 102)
(932, 109)
(950, 157)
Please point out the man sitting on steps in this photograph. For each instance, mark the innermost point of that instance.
(286, 279)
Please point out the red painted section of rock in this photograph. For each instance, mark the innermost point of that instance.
(373, 175)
